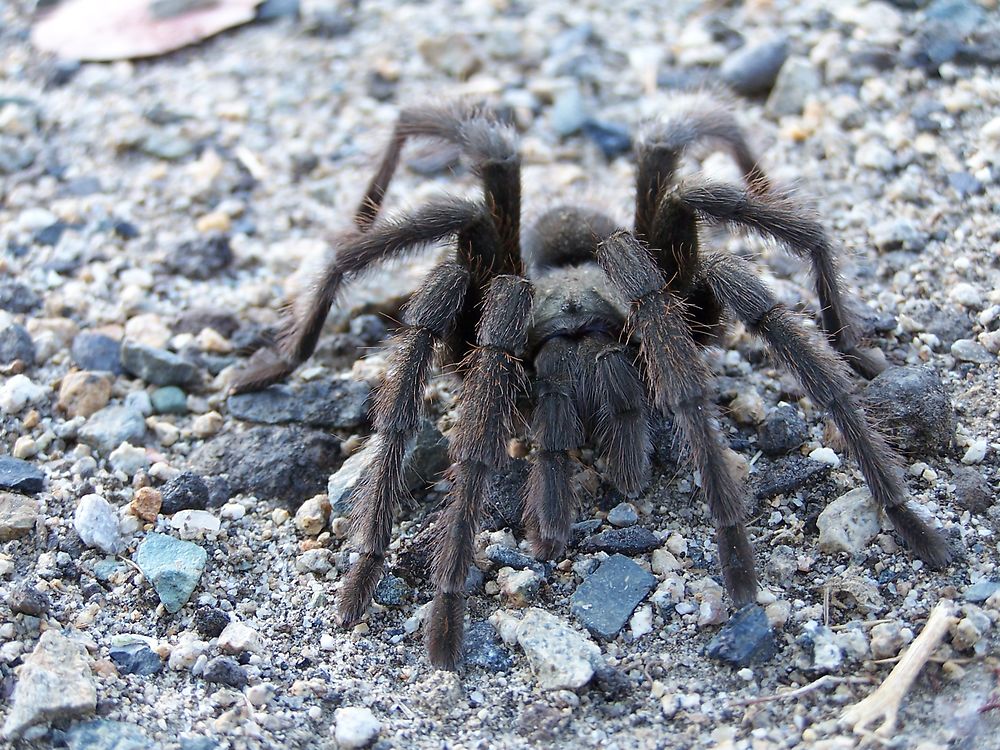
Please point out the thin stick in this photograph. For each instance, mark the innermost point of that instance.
(822, 682)
(885, 701)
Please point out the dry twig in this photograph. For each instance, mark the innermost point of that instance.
(885, 701)
(824, 681)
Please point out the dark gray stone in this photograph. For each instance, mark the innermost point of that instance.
(788, 475)
(25, 599)
(606, 599)
(912, 407)
(972, 491)
(196, 320)
(209, 621)
(633, 540)
(782, 431)
(50, 235)
(507, 557)
(157, 366)
(753, 69)
(484, 649)
(186, 491)
(203, 258)
(108, 735)
(746, 639)
(225, 670)
(613, 139)
(623, 515)
(16, 343)
(113, 425)
(369, 329)
(95, 351)
(136, 658)
(16, 297)
(339, 404)
(20, 476)
(980, 591)
(392, 591)
(283, 463)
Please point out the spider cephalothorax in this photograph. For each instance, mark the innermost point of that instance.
(548, 310)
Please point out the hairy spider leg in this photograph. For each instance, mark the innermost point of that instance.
(824, 379)
(678, 378)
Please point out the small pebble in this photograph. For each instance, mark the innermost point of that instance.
(355, 727)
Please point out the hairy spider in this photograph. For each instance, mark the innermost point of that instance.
(557, 307)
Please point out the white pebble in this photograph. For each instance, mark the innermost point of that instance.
(976, 452)
(642, 621)
(966, 294)
(96, 521)
(356, 727)
(18, 392)
(825, 456)
(128, 459)
(232, 511)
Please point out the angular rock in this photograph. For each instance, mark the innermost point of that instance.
(96, 521)
(20, 476)
(108, 735)
(782, 431)
(356, 727)
(633, 540)
(172, 566)
(483, 649)
(912, 407)
(83, 393)
(225, 670)
(27, 600)
(17, 392)
(338, 404)
(202, 258)
(788, 475)
(157, 366)
(849, 523)
(746, 639)
(113, 425)
(613, 139)
(16, 344)
(623, 515)
(210, 622)
(980, 591)
(16, 297)
(391, 591)
(561, 657)
(282, 463)
(507, 557)
(186, 491)
(518, 587)
(972, 491)
(238, 637)
(136, 658)
(606, 599)
(17, 515)
(796, 81)
(54, 682)
(97, 352)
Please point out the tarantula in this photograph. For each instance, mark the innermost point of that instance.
(557, 307)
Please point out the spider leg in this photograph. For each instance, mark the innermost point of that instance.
(678, 377)
(550, 503)
(778, 217)
(494, 375)
(429, 318)
(622, 426)
(356, 253)
(821, 374)
(492, 147)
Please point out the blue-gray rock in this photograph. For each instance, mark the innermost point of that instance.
(911, 406)
(136, 658)
(623, 515)
(392, 591)
(507, 557)
(108, 735)
(113, 425)
(173, 567)
(20, 476)
(139, 401)
(980, 591)
(272, 9)
(606, 599)
(962, 16)
(273, 463)
(964, 184)
(225, 670)
(746, 639)
(202, 258)
(16, 344)
(369, 329)
(186, 491)
(796, 81)
(49, 236)
(569, 112)
(16, 297)
(782, 431)
(169, 400)
(157, 366)
(339, 404)
(613, 139)
(484, 649)
(753, 69)
(787, 475)
(633, 540)
(201, 743)
(95, 351)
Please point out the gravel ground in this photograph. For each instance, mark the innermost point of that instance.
(158, 585)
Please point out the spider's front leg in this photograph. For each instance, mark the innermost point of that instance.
(493, 377)
(679, 379)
